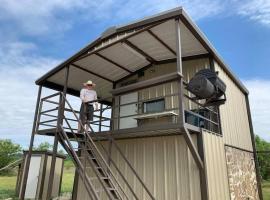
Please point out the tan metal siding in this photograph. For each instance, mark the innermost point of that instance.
(162, 90)
(192, 66)
(158, 70)
(215, 162)
(233, 114)
(165, 165)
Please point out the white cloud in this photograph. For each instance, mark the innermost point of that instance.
(256, 10)
(18, 71)
(20, 66)
(37, 17)
(259, 98)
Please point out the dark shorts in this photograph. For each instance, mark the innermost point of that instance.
(86, 112)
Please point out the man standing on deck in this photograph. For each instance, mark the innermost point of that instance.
(88, 96)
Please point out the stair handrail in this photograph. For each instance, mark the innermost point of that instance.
(90, 139)
(77, 160)
(97, 149)
(122, 190)
(107, 166)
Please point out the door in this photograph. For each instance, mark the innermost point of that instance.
(33, 177)
(126, 110)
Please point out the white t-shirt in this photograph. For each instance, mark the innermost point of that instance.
(87, 95)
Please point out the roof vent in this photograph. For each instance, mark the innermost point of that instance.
(108, 32)
(207, 85)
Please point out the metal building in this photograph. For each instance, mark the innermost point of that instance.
(150, 139)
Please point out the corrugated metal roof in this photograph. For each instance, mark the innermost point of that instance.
(119, 57)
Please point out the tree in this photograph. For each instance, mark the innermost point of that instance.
(44, 146)
(8, 152)
(263, 149)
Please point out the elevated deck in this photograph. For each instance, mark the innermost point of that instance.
(53, 131)
(149, 131)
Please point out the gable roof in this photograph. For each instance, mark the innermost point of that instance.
(110, 51)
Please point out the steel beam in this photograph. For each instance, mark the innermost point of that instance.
(90, 72)
(56, 138)
(28, 158)
(194, 152)
(86, 54)
(113, 62)
(161, 42)
(203, 173)
(140, 51)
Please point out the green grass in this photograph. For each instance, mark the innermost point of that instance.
(67, 181)
(8, 183)
(266, 190)
(7, 186)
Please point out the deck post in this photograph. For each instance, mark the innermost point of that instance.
(28, 158)
(194, 152)
(100, 117)
(61, 111)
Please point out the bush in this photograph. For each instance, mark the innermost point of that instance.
(9, 152)
(263, 147)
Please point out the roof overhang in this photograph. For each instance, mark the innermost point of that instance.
(121, 51)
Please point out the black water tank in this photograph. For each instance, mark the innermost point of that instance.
(206, 84)
(201, 87)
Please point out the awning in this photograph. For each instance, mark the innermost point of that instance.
(121, 51)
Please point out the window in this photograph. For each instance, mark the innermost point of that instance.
(154, 106)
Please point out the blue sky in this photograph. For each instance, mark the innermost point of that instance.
(36, 35)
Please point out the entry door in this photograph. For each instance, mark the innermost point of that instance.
(33, 176)
(131, 109)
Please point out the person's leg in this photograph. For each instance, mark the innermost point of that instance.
(87, 117)
(80, 118)
(90, 115)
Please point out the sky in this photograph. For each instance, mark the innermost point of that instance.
(36, 35)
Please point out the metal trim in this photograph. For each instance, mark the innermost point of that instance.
(252, 135)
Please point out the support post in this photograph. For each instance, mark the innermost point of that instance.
(61, 111)
(203, 173)
(258, 176)
(180, 71)
(100, 117)
(28, 158)
(185, 131)
(212, 67)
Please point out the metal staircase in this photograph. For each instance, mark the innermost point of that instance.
(89, 161)
(84, 148)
